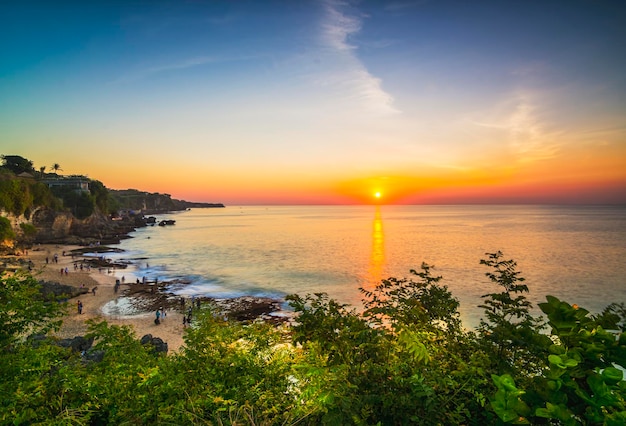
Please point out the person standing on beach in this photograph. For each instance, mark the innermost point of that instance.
(79, 305)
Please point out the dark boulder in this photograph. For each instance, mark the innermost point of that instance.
(37, 339)
(95, 355)
(53, 290)
(78, 343)
(158, 345)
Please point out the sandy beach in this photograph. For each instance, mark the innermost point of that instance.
(170, 330)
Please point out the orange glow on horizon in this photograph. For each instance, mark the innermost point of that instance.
(510, 182)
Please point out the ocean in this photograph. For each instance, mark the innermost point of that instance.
(576, 253)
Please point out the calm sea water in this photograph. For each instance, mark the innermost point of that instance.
(574, 253)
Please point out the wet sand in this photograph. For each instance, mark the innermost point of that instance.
(170, 330)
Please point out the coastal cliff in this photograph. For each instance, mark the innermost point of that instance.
(64, 228)
(39, 207)
(153, 202)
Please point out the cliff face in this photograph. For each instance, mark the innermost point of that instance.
(37, 206)
(63, 228)
(51, 225)
(153, 202)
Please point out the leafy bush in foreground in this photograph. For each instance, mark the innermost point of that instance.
(405, 359)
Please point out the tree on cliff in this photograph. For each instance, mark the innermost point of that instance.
(56, 167)
(17, 164)
(102, 197)
(6, 232)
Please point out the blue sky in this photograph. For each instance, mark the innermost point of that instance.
(322, 101)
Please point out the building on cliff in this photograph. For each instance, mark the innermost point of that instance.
(79, 183)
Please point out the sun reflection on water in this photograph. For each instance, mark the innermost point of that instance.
(377, 256)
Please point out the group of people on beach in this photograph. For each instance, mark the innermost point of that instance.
(160, 313)
(187, 318)
(80, 266)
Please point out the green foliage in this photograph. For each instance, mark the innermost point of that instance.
(403, 360)
(509, 329)
(15, 196)
(45, 382)
(507, 402)
(80, 204)
(584, 382)
(56, 167)
(102, 197)
(508, 306)
(114, 387)
(343, 335)
(43, 197)
(613, 316)
(6, 231)
(17, 164)
(36, 378)
(394, 369)
(404, 302)
(28, 229)
(228, 371)
(23, 309)
(21, 196)
(133, 199)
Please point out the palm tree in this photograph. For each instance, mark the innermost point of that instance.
(56, 167)
(42, 170)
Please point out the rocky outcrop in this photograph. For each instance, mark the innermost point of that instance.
(156, 343)
(154, 202)
(78, 343)
(54, 291)
(55, 227)
(83, 345)
(52, 226)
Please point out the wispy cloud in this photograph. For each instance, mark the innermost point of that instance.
(526, 134)
(187, 63)
(401, 6)
(351, 77)
(338, 27)
(177, 66)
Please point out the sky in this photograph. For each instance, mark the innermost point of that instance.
(322, 102)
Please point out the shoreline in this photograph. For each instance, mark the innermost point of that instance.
(170, 329)
(56, 263)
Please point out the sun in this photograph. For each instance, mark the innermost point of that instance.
(377, 195)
